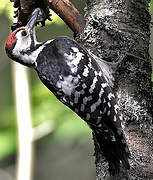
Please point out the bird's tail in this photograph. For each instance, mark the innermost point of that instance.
(114, 148)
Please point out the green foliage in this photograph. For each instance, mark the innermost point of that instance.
(7, 142)
(6, 7)
(151, 6)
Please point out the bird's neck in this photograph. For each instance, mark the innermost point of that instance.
(36, 50)
(28, 57)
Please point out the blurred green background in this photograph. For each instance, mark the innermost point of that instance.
(66, 152)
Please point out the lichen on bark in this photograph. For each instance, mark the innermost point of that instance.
(116, 28)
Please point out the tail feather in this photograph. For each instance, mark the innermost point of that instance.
(114, 149)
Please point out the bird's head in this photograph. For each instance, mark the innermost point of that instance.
(19, 43)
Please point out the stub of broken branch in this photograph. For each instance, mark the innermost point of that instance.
(69, 14)
(65, 9)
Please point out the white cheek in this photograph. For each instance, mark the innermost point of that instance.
(23, 43)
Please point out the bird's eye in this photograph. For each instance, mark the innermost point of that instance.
(24, 33)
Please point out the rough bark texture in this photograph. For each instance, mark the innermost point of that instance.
(115, 28)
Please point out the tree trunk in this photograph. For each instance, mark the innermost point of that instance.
(116, 28)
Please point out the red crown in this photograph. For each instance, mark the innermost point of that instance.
(11, 40)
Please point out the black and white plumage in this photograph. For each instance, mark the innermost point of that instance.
(80, 81)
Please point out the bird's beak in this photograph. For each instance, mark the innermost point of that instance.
(34, 17)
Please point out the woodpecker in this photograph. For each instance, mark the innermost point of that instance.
(79, 80)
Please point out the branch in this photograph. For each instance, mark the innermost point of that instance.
(66, 11)
(69, 14)
(24, 123)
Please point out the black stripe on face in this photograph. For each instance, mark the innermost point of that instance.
(32, 48)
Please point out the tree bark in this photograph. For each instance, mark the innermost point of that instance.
(114, 29)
